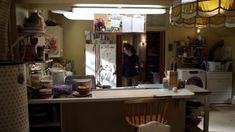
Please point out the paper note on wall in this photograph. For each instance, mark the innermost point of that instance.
(115, 23)
(126, 24)
(138, 24)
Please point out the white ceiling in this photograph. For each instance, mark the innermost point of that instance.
(67, 4)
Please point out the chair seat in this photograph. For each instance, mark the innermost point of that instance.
(142, 111)
(154, 126)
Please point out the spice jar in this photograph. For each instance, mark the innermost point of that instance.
(165, 82)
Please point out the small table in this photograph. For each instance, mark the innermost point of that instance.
(201, 92)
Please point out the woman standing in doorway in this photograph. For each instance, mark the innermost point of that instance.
(129, 67)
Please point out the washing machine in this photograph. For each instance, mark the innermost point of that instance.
(193, 76)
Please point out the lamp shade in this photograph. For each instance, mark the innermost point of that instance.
(202, 13)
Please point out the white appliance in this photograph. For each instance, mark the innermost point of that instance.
(193, 76)
(101, 62)
(220, 84)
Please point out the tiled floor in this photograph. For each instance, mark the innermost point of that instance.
(222, 118)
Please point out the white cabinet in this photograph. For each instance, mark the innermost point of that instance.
(220, 84)
(54, 40)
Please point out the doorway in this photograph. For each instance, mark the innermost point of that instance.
(154, 56)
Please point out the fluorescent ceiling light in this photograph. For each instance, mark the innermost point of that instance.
(78, 16)
(188, 1)
(75, 16)
(119, 5)
(87, 11)
(59, 11)
(119, 10)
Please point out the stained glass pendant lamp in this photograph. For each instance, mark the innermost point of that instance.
(203, 13)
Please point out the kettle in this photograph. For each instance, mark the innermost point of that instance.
(58, 75)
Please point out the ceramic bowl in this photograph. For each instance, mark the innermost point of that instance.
(83, 90)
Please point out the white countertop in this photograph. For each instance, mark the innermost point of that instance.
(118, 95)
(197, 90)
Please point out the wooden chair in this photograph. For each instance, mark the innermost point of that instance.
(141, 111)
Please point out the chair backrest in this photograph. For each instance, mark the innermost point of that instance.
(141, 111)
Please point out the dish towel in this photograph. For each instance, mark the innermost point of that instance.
(154, 126)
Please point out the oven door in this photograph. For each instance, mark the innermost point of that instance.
(195, 81)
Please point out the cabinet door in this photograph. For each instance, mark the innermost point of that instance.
(44, 118)
(221, 90)
(55, 41)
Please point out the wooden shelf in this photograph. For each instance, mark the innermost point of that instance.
(187, 46)
(46, 124)
(46, 61)
(190, 57)
(105, 32)
(32, 31)
(195, 55)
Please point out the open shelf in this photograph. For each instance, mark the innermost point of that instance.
(46, 124)
(44, 117)
(38, 61)
(45, 129)
(32, 31)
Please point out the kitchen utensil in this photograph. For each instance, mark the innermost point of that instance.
(58, 75)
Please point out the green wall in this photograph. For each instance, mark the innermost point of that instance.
(74, 40)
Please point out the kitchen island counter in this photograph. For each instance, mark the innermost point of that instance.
(118, 95)
(104, 110)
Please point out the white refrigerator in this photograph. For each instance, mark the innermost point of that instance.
(101, 62)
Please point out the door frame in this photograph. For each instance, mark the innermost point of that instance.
(162, 53)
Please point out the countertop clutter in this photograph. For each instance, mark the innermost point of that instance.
(45, 79)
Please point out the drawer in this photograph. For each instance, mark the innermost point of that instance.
(219, 75)
(219, 84)
(220, 98)
(227, 91)
(221, 95)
